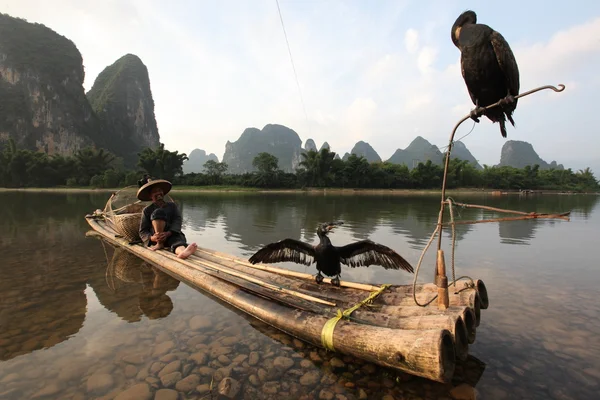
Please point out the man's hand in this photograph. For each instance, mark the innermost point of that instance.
(161, 237)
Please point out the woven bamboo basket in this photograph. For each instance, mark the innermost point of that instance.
(125, 219)
(128, 223)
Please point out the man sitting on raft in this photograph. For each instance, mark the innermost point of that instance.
(161, 221)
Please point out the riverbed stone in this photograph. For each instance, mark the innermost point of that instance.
(283, 363)
(130, 371)
(463, 391)
(203, 389)
(325, 394)
(240, 359)
(171, 379)
(206, 371)
(163, 348)
(166, 394)
(229, 388)
(171, 367)
(188, 383)
(310, 378)
(337, 363)
(167, 358)
(99, 383)
(196, 340)
(253, 358)
(48, 390)
(163, 337)
(135, 359)
(254, 381)
(156, 367)
(223, 359)
(199, 358)
(140, 391)
(271, 387)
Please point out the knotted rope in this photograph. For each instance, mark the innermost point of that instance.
(329, 326)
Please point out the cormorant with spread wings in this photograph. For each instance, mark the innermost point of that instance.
(328, 257)
(488, 67)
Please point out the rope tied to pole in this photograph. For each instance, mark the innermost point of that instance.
(329, 326)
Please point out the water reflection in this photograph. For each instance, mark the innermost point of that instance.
(132, 288)
(255, 220)
(72, 326)
(42, 303)
(517, 232)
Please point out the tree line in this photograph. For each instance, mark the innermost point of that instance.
(100, 169)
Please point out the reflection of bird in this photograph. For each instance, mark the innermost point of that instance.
(488, 67)
(328, 256)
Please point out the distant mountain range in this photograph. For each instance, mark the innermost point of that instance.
(45, 108)
(285, 144)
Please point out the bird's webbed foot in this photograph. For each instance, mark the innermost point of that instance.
(319, 278)
(476, 113)
(336, 281)
(509, 99)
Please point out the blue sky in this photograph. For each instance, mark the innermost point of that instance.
(379, 71)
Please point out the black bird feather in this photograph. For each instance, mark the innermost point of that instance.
(328, 257)
(488, 67)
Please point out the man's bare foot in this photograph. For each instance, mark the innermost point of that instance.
(157, 246)
(188, 251)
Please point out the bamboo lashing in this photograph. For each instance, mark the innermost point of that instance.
(249, 278)
(281, 271)
(327, 332)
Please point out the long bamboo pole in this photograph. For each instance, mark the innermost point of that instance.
(521, 218)
(248, 278)
(281, 271)
(502, 210)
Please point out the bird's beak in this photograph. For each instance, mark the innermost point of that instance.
(333, 225)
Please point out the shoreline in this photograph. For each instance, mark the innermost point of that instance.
(343, 191)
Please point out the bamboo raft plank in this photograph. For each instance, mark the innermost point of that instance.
(391, 330)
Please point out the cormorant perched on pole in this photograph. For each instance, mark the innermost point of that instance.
(488, 67)
(328, 257)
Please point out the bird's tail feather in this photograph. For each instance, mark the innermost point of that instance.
(510, 118)
(502, 127)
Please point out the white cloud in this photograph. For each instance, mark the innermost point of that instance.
(411, 40)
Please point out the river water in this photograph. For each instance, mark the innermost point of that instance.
(79, 319)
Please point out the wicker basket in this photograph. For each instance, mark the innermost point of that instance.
(126, 219)
(128, 225)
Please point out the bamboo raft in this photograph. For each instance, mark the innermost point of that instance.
(396, 326)
(377, 323)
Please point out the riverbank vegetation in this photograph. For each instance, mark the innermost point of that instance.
(97, 168)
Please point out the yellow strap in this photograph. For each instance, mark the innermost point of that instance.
(329, 326)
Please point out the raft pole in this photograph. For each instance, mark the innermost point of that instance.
(441, 280)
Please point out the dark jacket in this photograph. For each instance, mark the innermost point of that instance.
(173, 220)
